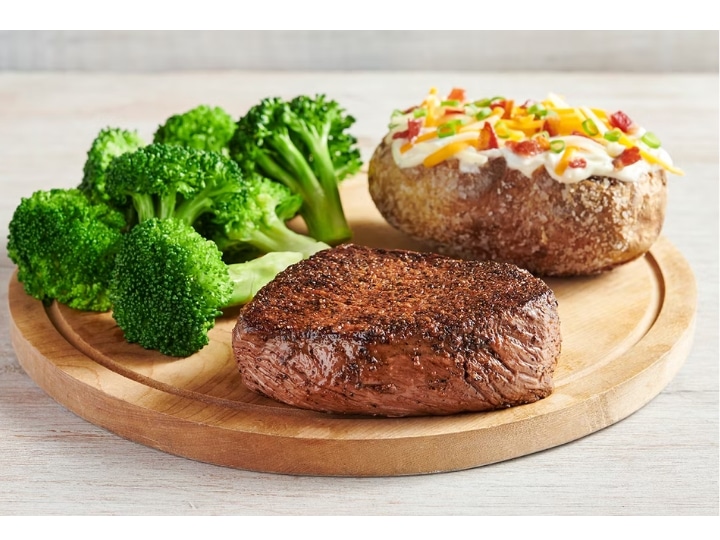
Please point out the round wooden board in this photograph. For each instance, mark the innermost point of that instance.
(625, 335)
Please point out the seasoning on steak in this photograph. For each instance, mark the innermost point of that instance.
(399, 333)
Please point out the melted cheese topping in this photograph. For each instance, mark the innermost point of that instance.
(572, 143)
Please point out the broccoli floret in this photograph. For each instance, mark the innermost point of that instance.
(109, 143)
(255, 218)
(170, 284)
(162, 180)
(64, 247)
(303, 143)
(203, 128)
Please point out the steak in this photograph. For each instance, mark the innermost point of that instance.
(358, 330)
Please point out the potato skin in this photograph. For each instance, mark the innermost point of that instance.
(548, 227)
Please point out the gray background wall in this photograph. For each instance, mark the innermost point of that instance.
(141, 51)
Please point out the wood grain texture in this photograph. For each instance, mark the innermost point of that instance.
(625, 335)
(661, 460)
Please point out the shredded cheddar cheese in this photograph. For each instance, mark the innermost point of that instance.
(451, 128)
(445, 152)
(562, 165)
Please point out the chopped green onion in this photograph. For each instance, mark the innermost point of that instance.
(544, 134)
(557, 146)
(419, 112)
(590, 128)
(651, 140)
(450, 103)
(448, 129)
(537, 110)
(487, 101)
(613, 135)
(501, 130)
(483, 113)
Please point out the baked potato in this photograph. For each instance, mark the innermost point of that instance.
(558, 190)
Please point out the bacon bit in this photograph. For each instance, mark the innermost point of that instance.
(457, 93)
(509, 104)
(621, 121)
(628, 157)
(530, 147)
(487, 139)
(577, 163)
(411, 132)
(449, 111)
(410, 109)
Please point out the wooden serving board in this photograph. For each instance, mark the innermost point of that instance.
(625, 335)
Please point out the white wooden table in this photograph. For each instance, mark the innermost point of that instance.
(661, 460)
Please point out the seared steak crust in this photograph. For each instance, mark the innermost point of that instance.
(398, 333)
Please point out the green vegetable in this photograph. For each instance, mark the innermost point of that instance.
(538, 110)
(64, 247)
(590, 128)
(483, 113)
(202, 128)
(130, 237)
(501, 129)
(109, 143)
(488, 101)
(304, 144)
(651, 140)
(169, 284)
(162, 180)
(448, 129)
(613, 135)
(557, 146)
(255, 218)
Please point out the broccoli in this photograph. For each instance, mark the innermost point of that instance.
(161, 180)
(255, 218)
(203, 128)
(109, 143)
(303, 143)
(64, 247)
(169, 285)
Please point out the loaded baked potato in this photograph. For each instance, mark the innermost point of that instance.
(558, 190)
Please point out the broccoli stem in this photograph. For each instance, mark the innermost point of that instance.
(277, 172)
(325, 219)
(322, 209)
(144, 206)
(249, 277)
(193, 208)
(329, 221)
(276, 236)
(167, 205)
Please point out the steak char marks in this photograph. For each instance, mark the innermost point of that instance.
(398, 333)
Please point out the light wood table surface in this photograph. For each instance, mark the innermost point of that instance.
(661, 460)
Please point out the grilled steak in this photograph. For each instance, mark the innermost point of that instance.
(399, 333)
